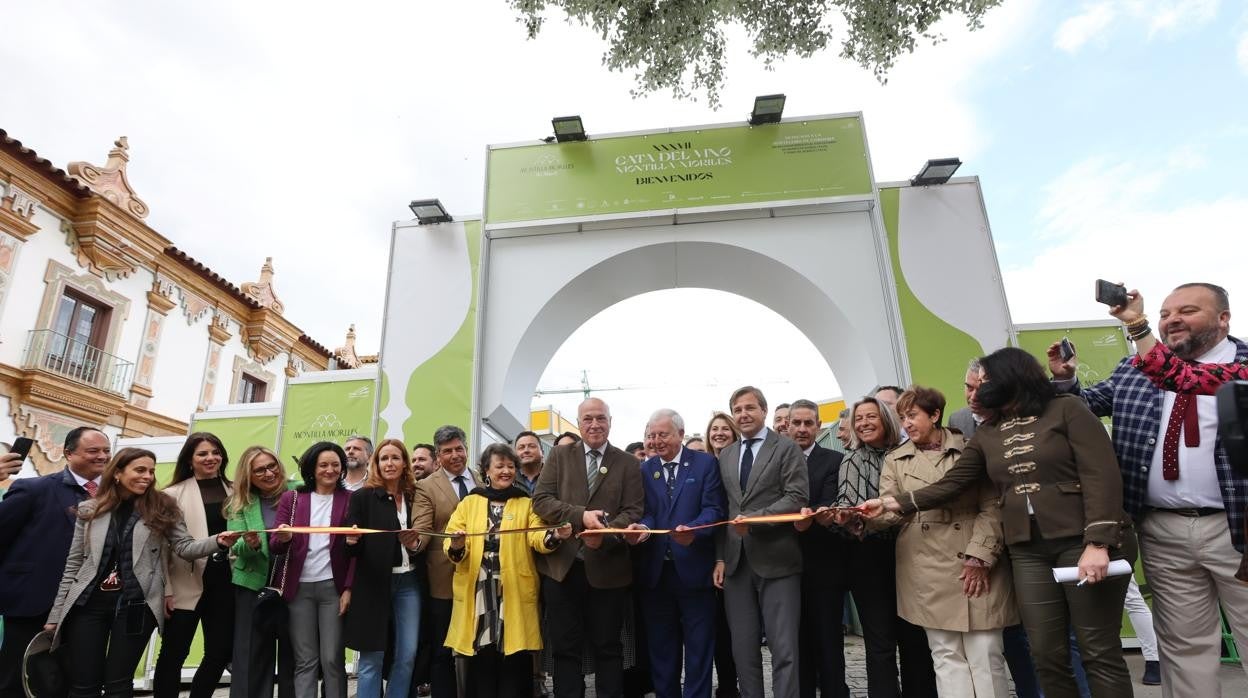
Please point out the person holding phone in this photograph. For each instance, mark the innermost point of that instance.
(1180, 486)
(36, 528)
(111, 595)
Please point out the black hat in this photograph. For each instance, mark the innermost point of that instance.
(42, 674)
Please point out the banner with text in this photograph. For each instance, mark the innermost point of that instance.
(324, 411)
(740, 164)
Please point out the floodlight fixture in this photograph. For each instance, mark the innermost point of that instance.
(568, 128)
(430, 211)
(767, 110)
(936, 171)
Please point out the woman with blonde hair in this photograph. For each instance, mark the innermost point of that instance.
(111, 595)
(259, 481)
(720, 432)
(385, 578)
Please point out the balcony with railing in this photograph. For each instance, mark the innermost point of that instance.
(58, 354)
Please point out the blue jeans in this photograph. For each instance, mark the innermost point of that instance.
(405, 605)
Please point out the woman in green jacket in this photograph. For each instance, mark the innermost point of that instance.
(258, 483)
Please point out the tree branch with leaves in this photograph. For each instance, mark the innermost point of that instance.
(680, 44)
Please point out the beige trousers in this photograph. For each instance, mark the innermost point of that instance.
(968, 665)
(1190, 564)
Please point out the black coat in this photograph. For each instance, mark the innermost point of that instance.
(818, 543)
(376, 555)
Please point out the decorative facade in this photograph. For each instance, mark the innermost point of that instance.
(104, 322)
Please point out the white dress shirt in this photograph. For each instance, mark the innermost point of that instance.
(1197, 484)
(469, 482)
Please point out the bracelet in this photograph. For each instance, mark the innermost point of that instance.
(1139, 332)
(1141, 320)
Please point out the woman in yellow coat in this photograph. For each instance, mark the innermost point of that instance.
(494, 619)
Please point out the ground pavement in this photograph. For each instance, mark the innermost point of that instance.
(1234, 680)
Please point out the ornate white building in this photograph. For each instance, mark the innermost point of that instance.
(103, 321)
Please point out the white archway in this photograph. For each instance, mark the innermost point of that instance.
(814, 270)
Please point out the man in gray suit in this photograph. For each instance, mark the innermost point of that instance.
(759, 567)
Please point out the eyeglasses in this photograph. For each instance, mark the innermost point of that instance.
(260, 470)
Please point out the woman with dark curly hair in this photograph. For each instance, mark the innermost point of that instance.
(319, 573)
(111, 596)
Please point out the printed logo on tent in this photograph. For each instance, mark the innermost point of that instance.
(327, 427)
(547, 165)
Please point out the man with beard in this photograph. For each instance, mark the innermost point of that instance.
(423, 461)
(359, 450)
(529, 450)
(1180, 488)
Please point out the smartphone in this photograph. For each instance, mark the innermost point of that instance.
(1110, 293)
(1066, 349)
(22, 445)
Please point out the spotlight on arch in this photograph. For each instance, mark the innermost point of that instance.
(568, 128)
(429, 211)
(936, 171)
(767, 110)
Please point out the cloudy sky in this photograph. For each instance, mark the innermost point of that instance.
(1109, 135)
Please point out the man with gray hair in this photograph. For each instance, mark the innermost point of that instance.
(359, 450)
(435, 501)
(590, 484)
(683, 489)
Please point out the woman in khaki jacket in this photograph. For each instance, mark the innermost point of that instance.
(1061, 506)
(950, 580)
(202, 591)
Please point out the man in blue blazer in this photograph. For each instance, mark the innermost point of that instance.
(683, 490)
(36, 527)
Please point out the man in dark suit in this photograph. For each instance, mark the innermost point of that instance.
(760, 566)
(683, 489)
(590, 484)
(36, 527)
(822, 662)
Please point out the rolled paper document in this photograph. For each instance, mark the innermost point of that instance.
(1071, 574)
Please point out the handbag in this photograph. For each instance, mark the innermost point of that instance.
(269, 608)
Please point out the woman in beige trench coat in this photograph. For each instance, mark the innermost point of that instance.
(950, 578)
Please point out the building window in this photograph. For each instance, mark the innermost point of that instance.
(79, 330)
(251, 389)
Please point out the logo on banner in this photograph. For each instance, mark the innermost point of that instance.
(547, 165)
(359, 392)
(326, 427)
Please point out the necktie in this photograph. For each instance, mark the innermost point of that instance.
(1183, 418)
(90, 487)
(747, 461)
(671, 478)
(591, 468)
(463, 488)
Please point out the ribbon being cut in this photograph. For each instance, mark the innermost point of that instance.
(352, 531)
